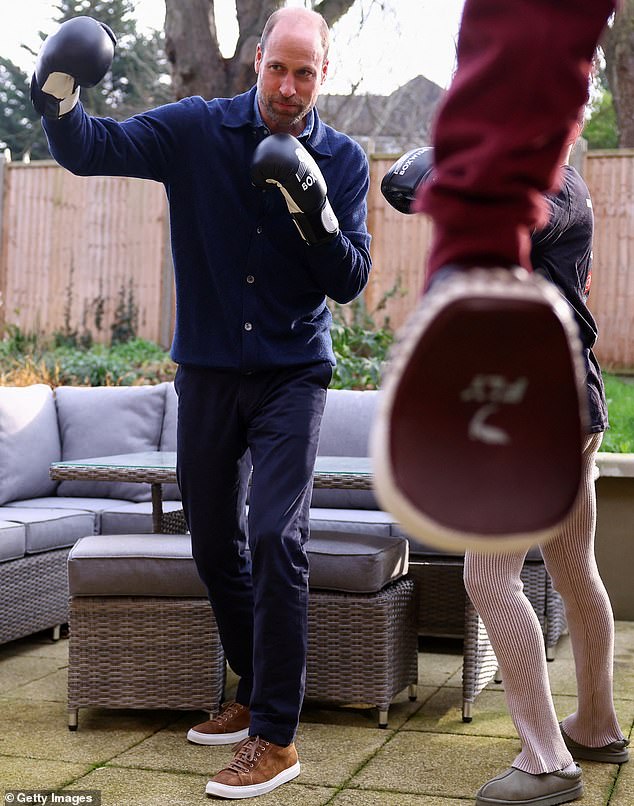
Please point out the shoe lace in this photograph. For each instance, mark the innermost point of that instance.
(246, 753)
(229, 712)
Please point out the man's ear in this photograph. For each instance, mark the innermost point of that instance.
(324, 70)
(258, 58)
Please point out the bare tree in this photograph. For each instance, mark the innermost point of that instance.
(193, 50)
(618, 48)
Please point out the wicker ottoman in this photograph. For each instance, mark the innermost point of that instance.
(362, 635)
(142, 632)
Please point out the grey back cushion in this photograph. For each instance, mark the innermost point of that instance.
(29, 441)
(108, 420)
(345, 431)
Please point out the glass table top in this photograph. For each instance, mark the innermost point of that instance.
(167, 460)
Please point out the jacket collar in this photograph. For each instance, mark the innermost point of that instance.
(240, 112)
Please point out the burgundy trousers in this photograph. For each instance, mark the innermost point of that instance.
(521, 80)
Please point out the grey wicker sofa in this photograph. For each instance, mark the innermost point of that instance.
(40, 520)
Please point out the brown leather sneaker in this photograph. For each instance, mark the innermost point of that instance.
(230, 726)
(258, 767)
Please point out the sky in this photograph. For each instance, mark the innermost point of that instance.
(412, 37)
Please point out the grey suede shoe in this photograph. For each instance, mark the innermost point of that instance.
(614, 753)
(517, 788)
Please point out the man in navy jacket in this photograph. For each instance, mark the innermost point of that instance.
(251, 339)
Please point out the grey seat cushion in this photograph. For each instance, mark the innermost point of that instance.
(133, 565)
(346, 521)
(50, 528)
(12, 541)
(162, 565)
(127, 518)
(419, 549)
(89, 504)
(112, 515)
(355, 563)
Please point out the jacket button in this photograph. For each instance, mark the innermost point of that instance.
(248, 326)
(250, 278)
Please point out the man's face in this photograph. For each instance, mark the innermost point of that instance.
(290, 72)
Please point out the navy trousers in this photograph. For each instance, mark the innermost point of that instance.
(255, 570)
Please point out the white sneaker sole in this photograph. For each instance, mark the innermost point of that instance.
(213, 739)
(253, 790)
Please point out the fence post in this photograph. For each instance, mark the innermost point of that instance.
(578, 154)
(3, 244)
(166, 320)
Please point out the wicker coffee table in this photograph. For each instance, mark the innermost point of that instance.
(159, 467)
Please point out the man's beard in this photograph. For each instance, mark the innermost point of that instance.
(301, 110)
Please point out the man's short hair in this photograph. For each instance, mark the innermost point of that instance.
(273, 19)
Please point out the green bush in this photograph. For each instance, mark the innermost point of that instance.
(27, 359)
(360, 346)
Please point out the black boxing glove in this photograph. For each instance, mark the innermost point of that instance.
(400, 184)
(281, 160)
(78, 54)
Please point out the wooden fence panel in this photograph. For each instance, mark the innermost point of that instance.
(399, 248)
(610, 177)
(401, 243)
(69, 242)
(76, 247)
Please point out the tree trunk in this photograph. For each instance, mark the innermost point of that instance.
(191, 45)
(618, 47)
(252, 14)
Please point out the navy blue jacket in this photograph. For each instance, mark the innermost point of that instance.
(250, 293)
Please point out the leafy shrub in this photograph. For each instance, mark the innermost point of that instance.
(360, 347)
(26, 360)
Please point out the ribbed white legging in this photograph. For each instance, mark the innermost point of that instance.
(494, 586)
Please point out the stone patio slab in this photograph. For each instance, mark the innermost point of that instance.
(40, 732)
(435, 764)
(38, 645)
(427, 757)
(329, 754)
(52, 687)
(363, 716)
(17, 670)
(623, 794)
(121, 787)
(19, 772)
(367, 798)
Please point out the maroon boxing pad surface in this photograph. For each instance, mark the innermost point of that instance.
(477, 443)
